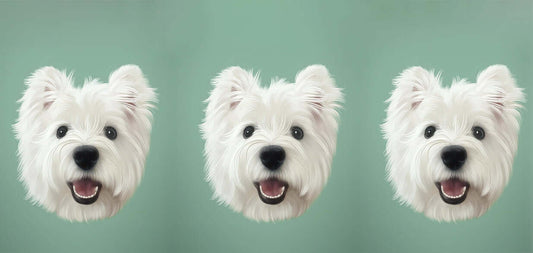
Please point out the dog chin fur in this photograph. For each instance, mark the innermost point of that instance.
(46, 161)
(414, 162)
(233, 164)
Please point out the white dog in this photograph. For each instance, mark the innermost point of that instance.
(82, 150)
(451, 150)
(269, 150)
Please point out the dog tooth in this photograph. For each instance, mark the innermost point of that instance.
(84, 197)
(271, 197)
(453, 197)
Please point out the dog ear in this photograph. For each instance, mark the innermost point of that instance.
(319, 90)
(412, 86)
(231, 86)
(131, 89)
(45, 86)
(499, 89)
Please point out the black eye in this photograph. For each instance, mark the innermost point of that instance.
(478, 132)
(110, 132)
(429, 132)
(248, 132)
(61, 132)
(297, 132)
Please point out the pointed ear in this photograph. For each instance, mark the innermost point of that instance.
(230, 88)
(319, 89)
(45, 86)
(412, 87)
(498, 88)
(131, 89)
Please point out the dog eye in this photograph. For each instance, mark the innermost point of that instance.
(61, 132)
(110, 132)
(248, 132)
(297, 132)
(429, 132)
(478, 132)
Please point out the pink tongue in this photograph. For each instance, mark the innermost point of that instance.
(453, 187)
(272, 187)
(85, 187)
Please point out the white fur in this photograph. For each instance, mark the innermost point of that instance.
(46, 162)
(414, 162)
(233, 163)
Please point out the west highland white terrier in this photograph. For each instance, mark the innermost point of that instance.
(450, 150)
(82, 150)
(269, 150)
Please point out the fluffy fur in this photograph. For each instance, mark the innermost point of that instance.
(234, 166)
(47, 164)
(415, 163)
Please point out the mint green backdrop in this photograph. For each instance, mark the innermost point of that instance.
(181, 45)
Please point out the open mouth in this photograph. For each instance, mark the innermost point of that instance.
(85, 191)
(453, 191)
(272, 191)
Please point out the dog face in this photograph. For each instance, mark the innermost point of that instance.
(269, 150)
(451, 150)
(82, 151)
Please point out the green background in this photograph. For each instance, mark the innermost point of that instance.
(182, 45)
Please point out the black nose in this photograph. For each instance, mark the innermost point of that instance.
(453, 157)
(86, 157)
(272, 157)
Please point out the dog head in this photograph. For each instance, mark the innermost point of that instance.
(450, 150)
(82, 150)
(269, 150)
